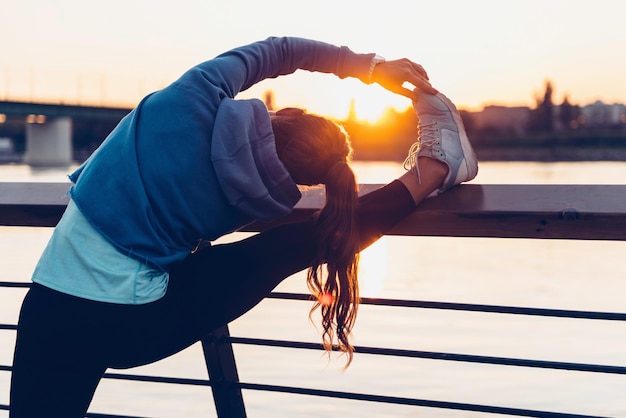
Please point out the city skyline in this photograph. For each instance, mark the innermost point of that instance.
(350, 111)
(480, 53)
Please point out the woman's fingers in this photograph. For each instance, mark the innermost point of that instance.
(392, 75)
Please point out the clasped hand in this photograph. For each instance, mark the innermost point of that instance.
(392, 75)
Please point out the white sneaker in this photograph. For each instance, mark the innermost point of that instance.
(441, 135)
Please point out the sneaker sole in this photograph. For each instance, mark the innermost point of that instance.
(469, 155)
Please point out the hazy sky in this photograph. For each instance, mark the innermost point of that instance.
(477, 52)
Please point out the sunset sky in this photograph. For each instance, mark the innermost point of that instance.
(477, 52)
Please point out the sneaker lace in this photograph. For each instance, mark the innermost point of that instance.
(426, 137)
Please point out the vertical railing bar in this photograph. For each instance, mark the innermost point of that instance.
(220, 361)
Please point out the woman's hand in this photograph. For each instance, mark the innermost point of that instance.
(393, 74)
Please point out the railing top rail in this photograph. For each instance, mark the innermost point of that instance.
(593, 212)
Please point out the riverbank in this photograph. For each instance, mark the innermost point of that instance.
(552, 154)
(514, 153)
(538, 154)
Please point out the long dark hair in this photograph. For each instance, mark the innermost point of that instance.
(316, 150)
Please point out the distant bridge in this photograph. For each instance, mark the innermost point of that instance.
(50, 128)
(53, 111)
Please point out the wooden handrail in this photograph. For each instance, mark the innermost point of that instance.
(591, 212)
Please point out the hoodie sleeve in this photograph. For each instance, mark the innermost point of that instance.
(240, 68)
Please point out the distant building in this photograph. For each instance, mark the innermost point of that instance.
(501, 119)
(602, 114)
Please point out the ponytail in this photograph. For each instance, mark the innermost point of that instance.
(316, 150)
(338, 247)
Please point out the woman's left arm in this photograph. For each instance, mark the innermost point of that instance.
(240, 68)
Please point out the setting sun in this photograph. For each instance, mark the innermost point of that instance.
(365, 111)
(370, 103)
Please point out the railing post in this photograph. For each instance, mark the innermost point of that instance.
(220, 362)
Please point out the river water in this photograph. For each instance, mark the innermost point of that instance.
(518, 272)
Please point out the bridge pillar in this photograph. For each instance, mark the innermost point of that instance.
(49, 144)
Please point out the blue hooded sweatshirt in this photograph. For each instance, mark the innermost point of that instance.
(191, 163)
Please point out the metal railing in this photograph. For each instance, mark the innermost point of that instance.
(564, 212)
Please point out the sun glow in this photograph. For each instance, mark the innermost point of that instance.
(365, 111)
(370, 103)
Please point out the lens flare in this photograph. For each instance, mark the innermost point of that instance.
(325, 299)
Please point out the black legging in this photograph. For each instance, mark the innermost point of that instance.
(65, 344)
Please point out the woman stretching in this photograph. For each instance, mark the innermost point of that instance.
(122, 282)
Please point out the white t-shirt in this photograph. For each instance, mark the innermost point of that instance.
(79, 261)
